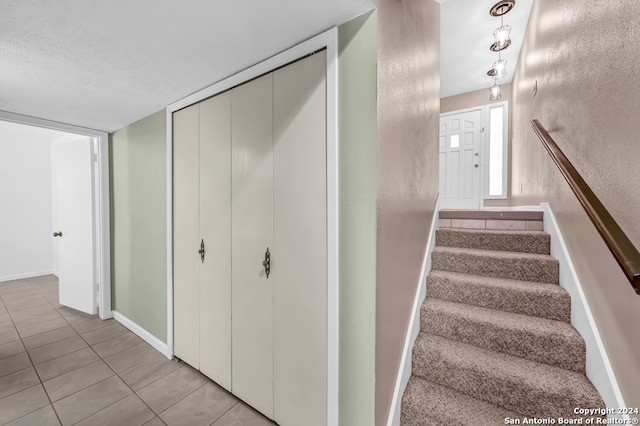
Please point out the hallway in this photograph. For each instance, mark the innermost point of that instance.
(61, 366)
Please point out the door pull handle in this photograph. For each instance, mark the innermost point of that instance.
(267, 263)
(57, 234)
(201, 251)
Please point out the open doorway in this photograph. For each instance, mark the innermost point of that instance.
(32, 151)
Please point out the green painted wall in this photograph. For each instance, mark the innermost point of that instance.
(357, 218)
(139, 223)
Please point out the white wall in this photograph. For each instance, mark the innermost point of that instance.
(26, 247)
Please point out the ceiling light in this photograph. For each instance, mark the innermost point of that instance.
(499, 69)
(501, 35)
(495, 93)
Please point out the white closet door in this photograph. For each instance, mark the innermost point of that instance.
(215, 229)
(300, 242)
(186, 234)
(252, 234)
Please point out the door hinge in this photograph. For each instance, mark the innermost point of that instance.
(95, 158)
(201, 251)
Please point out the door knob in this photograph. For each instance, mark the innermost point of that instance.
(477, 165)
(201, 251)
(57, 234)
(267, 263)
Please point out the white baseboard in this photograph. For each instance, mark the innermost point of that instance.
(404, 372)
(25, 275)
(598, 365)
(158, 344)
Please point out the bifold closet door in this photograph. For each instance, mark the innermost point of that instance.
(300, 243)
(215, 230)
(186, 234)
(252, 234)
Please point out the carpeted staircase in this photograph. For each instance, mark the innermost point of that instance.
(495, 336)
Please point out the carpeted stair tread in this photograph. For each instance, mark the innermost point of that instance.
(523, 297)
(518, 266)
(542, 340)
(516, 384)
(502, 240)
(426, 403)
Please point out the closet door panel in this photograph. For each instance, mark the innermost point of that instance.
(300, 241)
(252, 233)
(215, 228)
(186, 234)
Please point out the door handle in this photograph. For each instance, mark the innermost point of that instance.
(477, 165)
(267, 262)
(201, 251)
(57, 234)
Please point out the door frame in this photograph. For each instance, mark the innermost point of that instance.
(327, 40)
(102, 266)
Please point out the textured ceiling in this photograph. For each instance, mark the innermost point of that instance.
(105, 64)
(466, 34)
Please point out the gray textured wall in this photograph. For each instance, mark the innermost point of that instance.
(584, 58)
(407, 171)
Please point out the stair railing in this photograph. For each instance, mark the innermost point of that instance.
(623, 250)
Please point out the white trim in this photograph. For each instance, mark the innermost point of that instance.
(598, 365)
(26, 275)
(170, 230)
(157, 344)
(404, 371)
(102, 215)
(328, 40)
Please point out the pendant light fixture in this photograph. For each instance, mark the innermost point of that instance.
(499, 68)
(495, 93)
(501, 35)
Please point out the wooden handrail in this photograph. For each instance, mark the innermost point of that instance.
(625, 253)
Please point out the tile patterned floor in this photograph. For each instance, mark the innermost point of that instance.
(61, 366)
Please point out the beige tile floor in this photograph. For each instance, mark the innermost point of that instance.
(61, 366)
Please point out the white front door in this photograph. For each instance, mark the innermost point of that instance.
(72, 169)
(460, 160)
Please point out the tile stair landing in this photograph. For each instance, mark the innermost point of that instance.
(495, 336)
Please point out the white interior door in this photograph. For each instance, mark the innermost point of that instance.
(300, 243)
(460, 160)
(252, 234)
(72, 168)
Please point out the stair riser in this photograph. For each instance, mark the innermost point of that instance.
(544, 270)
(552, 305)
(523, 243)
(507, 392)
(552, 348)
